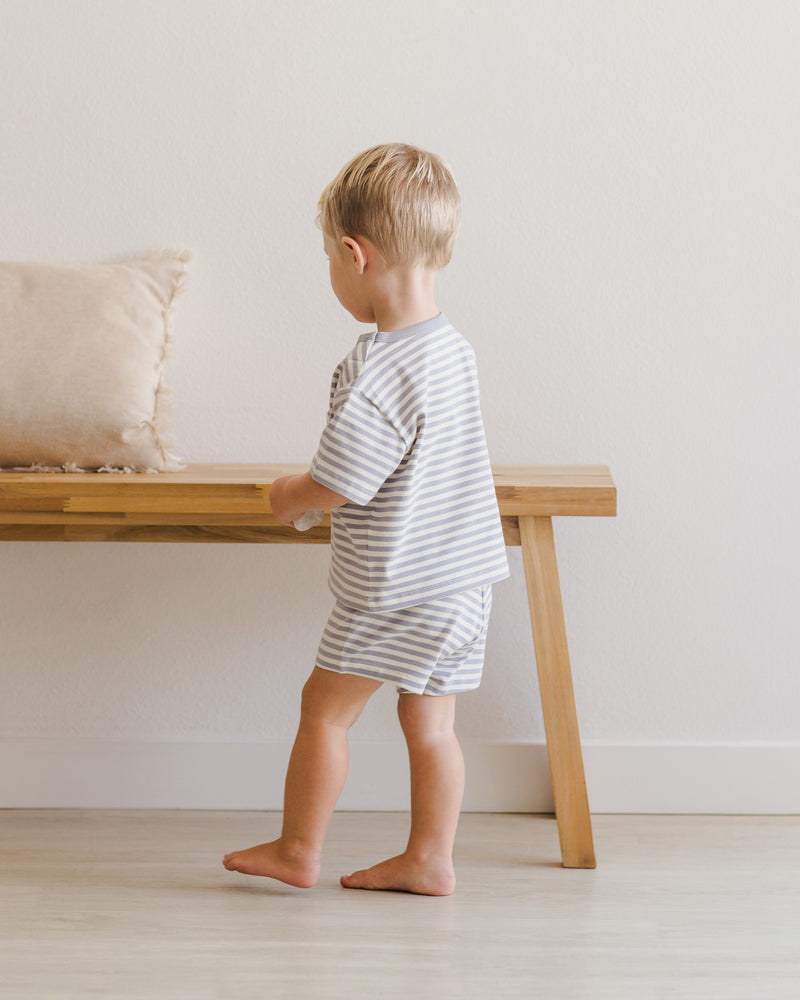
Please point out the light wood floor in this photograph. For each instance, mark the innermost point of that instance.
(136, 905)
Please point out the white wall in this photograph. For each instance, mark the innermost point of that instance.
(627, 272)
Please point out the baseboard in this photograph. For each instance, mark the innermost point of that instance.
(128, 774)
(759, 779)
(502, 777)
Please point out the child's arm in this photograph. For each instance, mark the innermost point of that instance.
(291, 496)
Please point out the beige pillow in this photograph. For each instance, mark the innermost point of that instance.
(82, 352)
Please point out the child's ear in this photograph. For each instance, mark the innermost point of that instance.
(357, 251)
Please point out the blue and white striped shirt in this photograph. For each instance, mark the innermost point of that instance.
(404, 442)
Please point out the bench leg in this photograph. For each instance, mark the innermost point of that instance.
(558, 696)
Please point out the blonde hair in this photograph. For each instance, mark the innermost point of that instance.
(402, 199)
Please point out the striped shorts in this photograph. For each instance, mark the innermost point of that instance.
(434, 648)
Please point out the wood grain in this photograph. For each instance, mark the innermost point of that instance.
(557, 693)
(230, 502)
(131, 905)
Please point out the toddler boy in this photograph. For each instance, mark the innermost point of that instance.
(416, 539)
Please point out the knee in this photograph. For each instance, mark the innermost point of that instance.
(308, 700)
(327, 700)
(316, 706)
(425, 717)
(408, 715)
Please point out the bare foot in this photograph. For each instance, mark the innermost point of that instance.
(272, 861)
(404, 874)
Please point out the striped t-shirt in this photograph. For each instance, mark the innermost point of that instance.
(404, 442)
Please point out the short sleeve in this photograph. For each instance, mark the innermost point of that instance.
(359, 449)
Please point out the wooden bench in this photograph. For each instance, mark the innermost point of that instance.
(230, 503)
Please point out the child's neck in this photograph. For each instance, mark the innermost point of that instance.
(404, 297)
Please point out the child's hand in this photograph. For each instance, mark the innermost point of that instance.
(283, 505)
(291, 496)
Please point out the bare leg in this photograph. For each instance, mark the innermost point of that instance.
(437, 788)
(314, 780)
